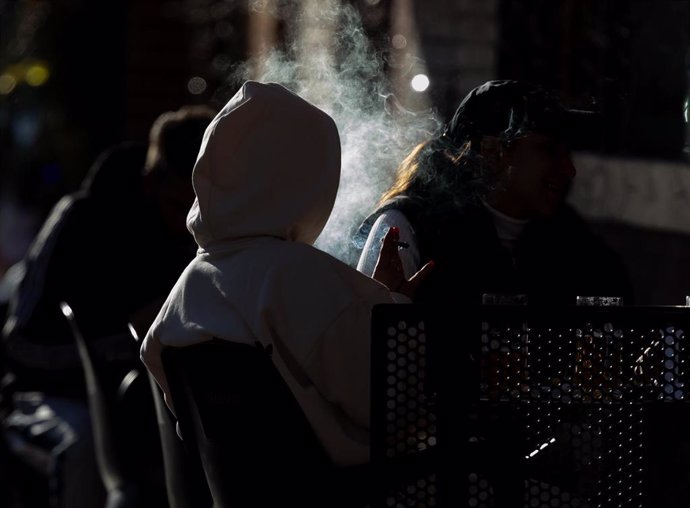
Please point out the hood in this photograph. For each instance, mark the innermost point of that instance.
(269, 165)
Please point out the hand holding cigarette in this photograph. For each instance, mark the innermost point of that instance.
(389, 269)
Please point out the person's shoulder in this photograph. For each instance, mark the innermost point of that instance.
(62, 226)
(301, 258)
(568, 212)
(400, 210)
(304, 264)
(265, 257)
(393, 216)
(402, 206)
(578, 229)
(566, 225)
(69, 207)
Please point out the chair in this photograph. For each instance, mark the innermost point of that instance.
(405, 412)
(185, 483)
(237, 415)
(121, 491)
(127, 456)
(184, 475)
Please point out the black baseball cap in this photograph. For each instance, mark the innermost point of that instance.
(510, 108)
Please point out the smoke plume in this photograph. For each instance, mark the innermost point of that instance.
(330, 61)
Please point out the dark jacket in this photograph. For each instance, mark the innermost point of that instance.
(104, 251)
(554, 260)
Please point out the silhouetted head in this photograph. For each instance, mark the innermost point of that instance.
(116, 173)
(174, 142)
(508, 143)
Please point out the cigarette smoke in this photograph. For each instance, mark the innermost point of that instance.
(330, 61)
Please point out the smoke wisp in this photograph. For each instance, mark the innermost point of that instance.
(330, 61)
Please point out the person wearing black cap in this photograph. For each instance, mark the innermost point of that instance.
(485, 201)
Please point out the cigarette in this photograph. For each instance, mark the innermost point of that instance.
(400, 244)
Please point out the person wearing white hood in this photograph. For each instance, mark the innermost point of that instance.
(265, 181)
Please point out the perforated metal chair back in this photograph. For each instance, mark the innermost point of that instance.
(535, 405)
(404, 413)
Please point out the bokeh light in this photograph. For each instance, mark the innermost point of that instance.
(7, 84)
(399, 41)
(197, 85)
(420, 82)
(37, 75)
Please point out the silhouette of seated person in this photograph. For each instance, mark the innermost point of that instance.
(265, 182)
(109, 250)
(486, 201)
(112, 250)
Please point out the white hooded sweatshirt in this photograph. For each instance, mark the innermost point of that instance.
(265, 182)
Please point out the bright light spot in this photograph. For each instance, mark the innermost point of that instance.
(37, 75)
(66, 310)
(196, 85)
(420, 82)
(399, 41)
(686, 104)
(7, 84)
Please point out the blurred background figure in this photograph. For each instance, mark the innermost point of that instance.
(112, 250)
(486, 201)
(109, 250)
